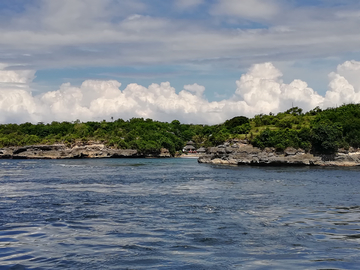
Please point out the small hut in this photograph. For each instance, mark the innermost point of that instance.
(189, 147)
(201, 150)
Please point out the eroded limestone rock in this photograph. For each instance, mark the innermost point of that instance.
(246, 154)
(60, 151)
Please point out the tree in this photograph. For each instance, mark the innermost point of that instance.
(236, 121)
(243, 129)
(326, 137)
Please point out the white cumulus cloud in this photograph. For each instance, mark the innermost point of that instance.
(17, 77)
(264, 91)
(16, 101)
(260, 90)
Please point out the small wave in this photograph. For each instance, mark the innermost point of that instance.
(72, 165)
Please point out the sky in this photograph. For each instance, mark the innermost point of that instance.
(197, 61)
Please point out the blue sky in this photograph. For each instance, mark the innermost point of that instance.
(212, 43)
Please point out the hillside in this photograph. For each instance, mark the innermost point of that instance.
(316, 131)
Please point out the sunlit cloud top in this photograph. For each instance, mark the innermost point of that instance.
(260, 90)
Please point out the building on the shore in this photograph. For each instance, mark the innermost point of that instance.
(189, 147)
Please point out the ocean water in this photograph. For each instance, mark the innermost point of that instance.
(176, 214)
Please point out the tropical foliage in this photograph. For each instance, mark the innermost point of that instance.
(319, 131)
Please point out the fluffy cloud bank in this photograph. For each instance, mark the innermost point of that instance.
(260, 90)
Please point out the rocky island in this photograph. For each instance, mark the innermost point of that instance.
(235, 153)
(62, 151)
(245, 154)
(329, 137)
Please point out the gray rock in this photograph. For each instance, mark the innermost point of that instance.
(61, 151)
(247, 154)
(290, 151)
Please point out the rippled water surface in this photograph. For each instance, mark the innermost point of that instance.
(176, 214)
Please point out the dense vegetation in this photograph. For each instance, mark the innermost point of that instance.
(147, 136)
(319, 131)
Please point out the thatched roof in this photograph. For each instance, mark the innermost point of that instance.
(189, 148)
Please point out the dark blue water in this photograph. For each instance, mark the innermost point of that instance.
(176, 214)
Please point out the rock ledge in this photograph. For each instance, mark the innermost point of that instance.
(61, 151)
(246, 154)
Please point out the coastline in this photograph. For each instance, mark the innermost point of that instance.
(237, 154)
(62, 151)
(246, 154)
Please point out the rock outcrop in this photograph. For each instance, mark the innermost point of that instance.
(246, 154)
(61, 151)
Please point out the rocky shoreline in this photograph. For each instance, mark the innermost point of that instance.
(62, 151)
(238, 153)
(246, 154)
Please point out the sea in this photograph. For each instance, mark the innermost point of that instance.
(176, 214)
